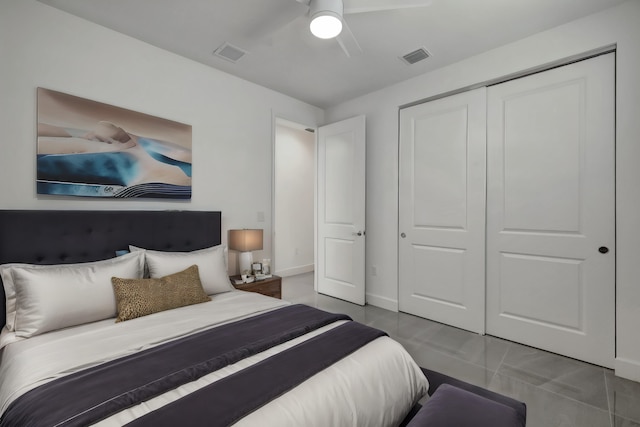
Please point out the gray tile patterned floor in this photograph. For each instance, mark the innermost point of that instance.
(558, 391)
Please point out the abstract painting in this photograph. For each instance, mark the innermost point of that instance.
(91, 149)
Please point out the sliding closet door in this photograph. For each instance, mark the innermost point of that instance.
(550, 210)
(442, 210)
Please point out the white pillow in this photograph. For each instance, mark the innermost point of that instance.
(50, 297)
(10, 294)
(225, 249)
(210, 262)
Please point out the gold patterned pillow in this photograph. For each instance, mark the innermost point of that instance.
(140, 297)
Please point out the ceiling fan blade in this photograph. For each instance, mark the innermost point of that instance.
(361, 6)
(348, 42)
(279, 17)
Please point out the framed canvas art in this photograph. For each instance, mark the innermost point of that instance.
(91, 149)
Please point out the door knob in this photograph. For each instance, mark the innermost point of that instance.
(603, 249)
(403, 235)
(359, 233)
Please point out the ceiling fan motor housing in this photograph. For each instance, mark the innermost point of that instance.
(326, 18)
(334, 7)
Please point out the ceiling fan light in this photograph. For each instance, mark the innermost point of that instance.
(325, 24)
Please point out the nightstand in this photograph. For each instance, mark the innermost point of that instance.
(271, 287)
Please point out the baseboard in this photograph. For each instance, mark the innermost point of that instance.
(295, 270)
(626, 368)
(382, 302)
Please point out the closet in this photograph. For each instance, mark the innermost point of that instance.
(507, 210)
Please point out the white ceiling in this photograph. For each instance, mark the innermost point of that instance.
(316, 71)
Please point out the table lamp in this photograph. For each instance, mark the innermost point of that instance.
(245, 241)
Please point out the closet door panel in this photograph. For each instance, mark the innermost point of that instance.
(550, 208)
(542, 158)
(441, 216)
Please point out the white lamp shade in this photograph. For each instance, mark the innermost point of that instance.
(325, 25)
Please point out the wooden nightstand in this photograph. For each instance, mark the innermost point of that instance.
(271, 287)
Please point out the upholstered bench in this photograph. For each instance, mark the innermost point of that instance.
(455, 403)
(451, 406)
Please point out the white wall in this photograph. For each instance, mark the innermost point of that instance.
(294, 200)
(617, 25)
(231, 118)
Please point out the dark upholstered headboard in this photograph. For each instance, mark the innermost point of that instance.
(65, 237)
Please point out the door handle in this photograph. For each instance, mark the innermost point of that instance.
(359, 233)
(603, 249)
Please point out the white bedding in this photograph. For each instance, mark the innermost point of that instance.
(374, 386)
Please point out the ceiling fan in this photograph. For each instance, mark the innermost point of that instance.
(326, 17)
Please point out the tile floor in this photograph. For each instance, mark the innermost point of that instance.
(558, 391)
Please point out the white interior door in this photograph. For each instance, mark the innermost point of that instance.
(550, 208)
(340, 268)
(442, 210)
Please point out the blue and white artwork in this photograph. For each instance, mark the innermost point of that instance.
(91, 149)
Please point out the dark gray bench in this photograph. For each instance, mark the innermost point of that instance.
(455, 403)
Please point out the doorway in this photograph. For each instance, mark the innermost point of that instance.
(319, 205)
(294, 182)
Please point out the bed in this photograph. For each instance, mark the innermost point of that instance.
(232, 358)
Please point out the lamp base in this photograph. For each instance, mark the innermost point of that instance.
(245, 259)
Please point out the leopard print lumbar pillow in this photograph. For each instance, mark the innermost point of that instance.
(141, 297)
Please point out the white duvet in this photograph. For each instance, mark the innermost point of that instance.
(374, 386)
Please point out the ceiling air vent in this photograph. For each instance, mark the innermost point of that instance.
(229, 52)
(416, 56)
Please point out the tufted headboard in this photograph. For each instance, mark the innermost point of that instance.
(65, 237)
